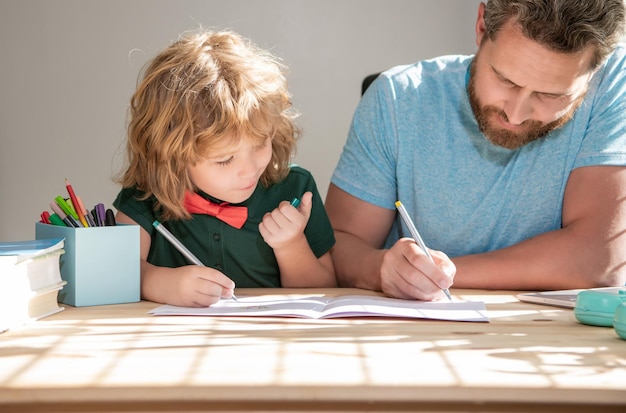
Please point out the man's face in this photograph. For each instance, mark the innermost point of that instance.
(520, 91)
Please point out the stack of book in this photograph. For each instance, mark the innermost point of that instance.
(30, 279)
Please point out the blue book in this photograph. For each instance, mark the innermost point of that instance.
(24, 250)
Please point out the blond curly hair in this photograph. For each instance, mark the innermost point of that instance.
(204, 86)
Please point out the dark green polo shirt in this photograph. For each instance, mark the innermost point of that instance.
(241, 254)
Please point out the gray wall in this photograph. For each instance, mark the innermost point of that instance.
(69, 67)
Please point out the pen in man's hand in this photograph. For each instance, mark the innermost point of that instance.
(416, 236)
(180, 247)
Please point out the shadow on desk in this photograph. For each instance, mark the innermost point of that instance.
(119, 358)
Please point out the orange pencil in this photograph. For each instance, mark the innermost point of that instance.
(70, 191)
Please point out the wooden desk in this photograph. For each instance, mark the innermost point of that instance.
(119, 359)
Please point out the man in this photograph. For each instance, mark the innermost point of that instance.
(510, 162)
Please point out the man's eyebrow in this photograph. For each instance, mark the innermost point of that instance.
(502, 77)
(506, 79)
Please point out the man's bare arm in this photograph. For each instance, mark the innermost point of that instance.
(588, 251)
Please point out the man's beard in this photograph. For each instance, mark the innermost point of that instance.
(532, 129)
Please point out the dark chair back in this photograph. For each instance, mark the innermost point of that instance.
(368, 81)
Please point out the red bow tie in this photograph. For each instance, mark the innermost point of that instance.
(235, 216)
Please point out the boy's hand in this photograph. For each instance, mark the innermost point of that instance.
(195, 286)
(286, 223)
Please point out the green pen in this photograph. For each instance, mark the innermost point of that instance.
(295, 202)
(56, 220)
(65, 207)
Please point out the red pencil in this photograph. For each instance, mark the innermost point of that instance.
(74, 199)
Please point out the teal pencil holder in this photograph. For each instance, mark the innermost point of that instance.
(100, 264)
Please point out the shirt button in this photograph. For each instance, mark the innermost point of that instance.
(216, 237)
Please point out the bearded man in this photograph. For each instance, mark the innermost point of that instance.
(511, 162)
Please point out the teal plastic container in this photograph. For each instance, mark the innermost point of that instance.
(597, 308)
(619, 321)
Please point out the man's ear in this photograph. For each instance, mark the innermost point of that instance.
(480, 24)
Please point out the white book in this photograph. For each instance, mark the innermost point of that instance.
(335, 307)
(30, 280)
(23, 307)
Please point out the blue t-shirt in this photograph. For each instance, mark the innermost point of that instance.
(414, 138)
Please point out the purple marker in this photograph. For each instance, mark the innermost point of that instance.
(100, 212)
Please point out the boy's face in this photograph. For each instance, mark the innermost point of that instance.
(232, 171)
(520, 91)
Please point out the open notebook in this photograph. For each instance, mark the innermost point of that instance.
(560, 298)
(335, 307)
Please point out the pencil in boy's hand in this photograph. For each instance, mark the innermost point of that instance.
(180, 246)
